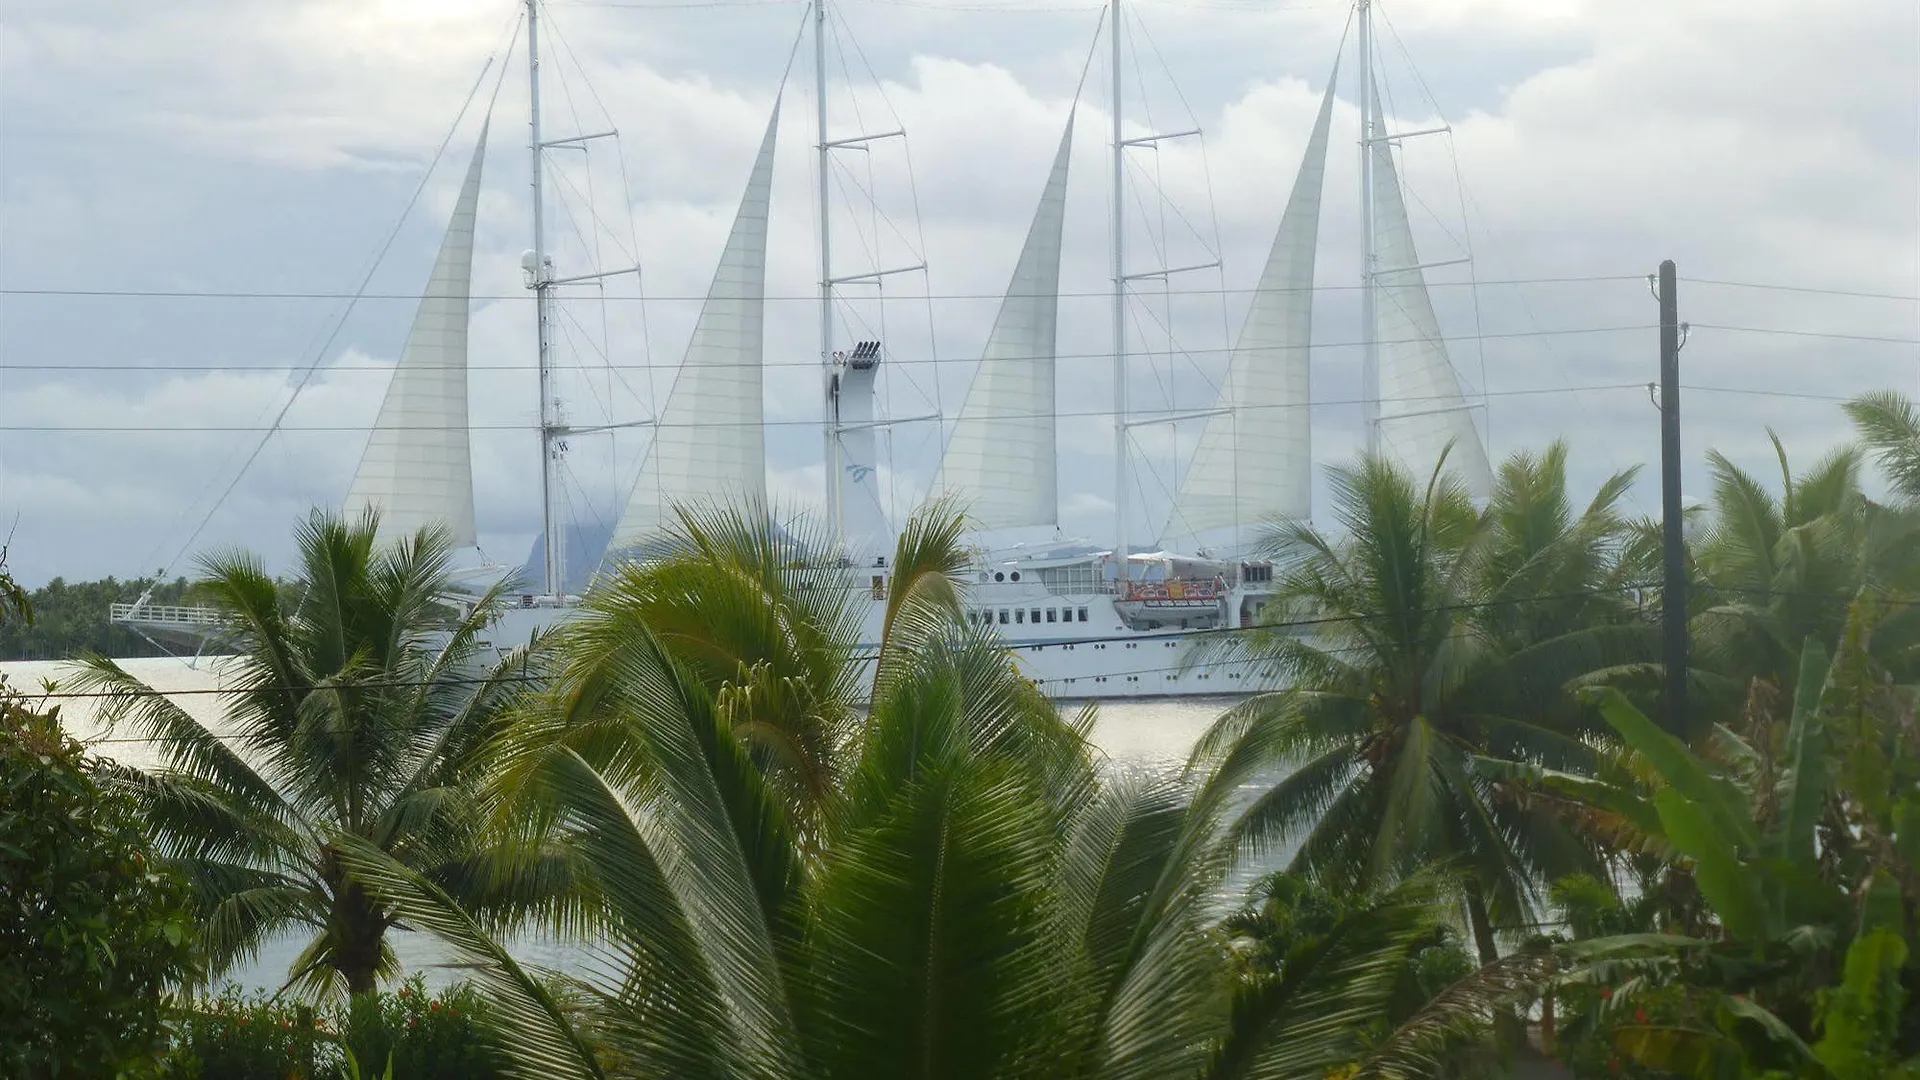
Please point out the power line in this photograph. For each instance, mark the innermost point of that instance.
(255, 294)
(1822, 334)
(814, 364)
(813, 422)
(1810, 289)
(237, 294)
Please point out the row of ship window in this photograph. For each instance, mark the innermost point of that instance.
(1168, 677)
(985, 616)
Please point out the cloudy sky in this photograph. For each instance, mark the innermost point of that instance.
(190, 192)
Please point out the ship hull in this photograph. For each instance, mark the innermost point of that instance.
(1073, 645)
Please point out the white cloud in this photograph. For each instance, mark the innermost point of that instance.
(1743, 139)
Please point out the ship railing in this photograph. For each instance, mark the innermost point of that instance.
(167, 614)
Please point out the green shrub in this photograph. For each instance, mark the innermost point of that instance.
(93, 931)
(425, 1036)
(235, 1037)
(428, 1037)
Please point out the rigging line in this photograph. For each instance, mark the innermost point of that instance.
(340, 323)
(913, 192)
(613, 369)
(206, 294)
(1095, 413)
(344, 368)
(633, 230)
(586, 497)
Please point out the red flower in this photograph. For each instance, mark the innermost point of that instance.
(1606, 994)
(1640, 1016)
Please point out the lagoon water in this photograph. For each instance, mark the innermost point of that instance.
(1134, 735)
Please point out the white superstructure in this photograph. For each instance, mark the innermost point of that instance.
(1087, 621)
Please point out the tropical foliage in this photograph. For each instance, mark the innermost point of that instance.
(354, 714)
(963, 893)
(407, 1032)
(92, 931)
(1439, 640)
(1467, 844)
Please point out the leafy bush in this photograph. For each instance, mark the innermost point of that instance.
(426, 1037)
(234, 1037)
(92, 930)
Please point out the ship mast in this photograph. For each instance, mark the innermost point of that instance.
(829, 370)
(540, 280)
(1370, 354)
(1119, 315)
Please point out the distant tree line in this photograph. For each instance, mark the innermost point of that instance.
(70, 618)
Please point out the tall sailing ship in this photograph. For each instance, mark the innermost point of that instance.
(1087, 621)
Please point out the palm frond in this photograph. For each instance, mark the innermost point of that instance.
(1136, 870)
(1306, 1022)
(1420, 1046)
(1889, 425)
(931, 954)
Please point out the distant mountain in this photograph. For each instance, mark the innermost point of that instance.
(585, 545)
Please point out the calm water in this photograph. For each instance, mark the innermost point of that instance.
(1134, 735)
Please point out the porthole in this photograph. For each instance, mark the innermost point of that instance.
(999, 576)
(1016, 575)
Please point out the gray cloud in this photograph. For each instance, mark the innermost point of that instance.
(219, 146)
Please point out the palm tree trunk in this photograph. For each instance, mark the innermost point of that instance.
(358, 930)
(1509, 1029)
(1482, 925)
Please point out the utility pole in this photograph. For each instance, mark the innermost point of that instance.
(1673, 590)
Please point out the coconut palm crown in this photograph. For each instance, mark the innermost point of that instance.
(360, 710)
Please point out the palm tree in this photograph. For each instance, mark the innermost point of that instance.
(355, 716)
(1889, 427)
(1776, 570)
(1437, 641)
(969, 895)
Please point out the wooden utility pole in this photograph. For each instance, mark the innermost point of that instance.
(1673, 591)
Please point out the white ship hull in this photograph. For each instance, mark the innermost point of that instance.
(1103, 641)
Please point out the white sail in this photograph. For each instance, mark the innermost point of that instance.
(708, 445)
(1422, 408)
(1000, 459)
(1255, 460)
(417, 469)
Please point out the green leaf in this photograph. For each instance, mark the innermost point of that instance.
(1727, 883)
(1804, 788)
(1718, 803)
